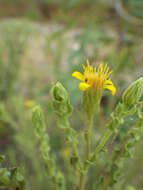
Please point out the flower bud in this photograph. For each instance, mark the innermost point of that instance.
(59, 92)
(61, 101)
(38, 120)
(133, 93)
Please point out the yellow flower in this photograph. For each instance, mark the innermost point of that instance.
(96, 78)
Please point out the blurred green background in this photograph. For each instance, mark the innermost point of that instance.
(42, 41)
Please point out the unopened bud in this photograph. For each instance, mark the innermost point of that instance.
(61, 101)
(59, 92)
(133, 93)
(38, 120)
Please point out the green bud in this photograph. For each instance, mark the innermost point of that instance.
(38, 120)
(133, 93)
(59, 92)
(61, 101)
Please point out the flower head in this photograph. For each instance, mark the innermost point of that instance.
(95, 78)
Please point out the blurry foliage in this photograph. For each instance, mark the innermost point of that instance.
(134, 7)
(11, 179)
(12, 45)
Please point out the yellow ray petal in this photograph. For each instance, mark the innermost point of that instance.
(109, 73)
(95, 69)
(111, 88)
(100, 69)
(78, 75)
(109, 82)
(84, 86)
(104, 71)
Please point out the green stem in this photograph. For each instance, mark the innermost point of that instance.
(103, 141)
(82, 181)
(73, 143)
(88, 146)
(88, 138)
(75, 149)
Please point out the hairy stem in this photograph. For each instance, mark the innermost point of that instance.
(103, 141)
(88, 147)
(88, 138)
(82, 181)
